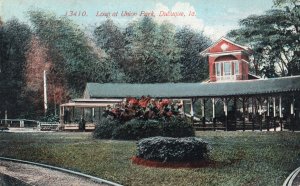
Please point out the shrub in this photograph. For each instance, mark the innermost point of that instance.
(177, 127)
(167, 149)
(137, 129)
(104, 128)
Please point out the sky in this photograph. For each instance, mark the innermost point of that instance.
(214, 17)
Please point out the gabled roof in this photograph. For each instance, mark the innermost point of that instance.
(189, 90)
(206, 51)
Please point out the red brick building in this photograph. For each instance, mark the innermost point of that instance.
(228, 61)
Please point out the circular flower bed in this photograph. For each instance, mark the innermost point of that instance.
(172, 152)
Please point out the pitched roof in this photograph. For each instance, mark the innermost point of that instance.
(204, 52)
(188, 90)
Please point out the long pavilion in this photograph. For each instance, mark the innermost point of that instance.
(247, 101)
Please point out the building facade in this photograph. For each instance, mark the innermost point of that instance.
(228, 61)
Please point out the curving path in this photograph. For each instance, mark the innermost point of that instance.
(293, 179)
(36, 175)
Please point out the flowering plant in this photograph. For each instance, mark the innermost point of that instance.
(144, 108)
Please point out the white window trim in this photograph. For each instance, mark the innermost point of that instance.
(224, 77)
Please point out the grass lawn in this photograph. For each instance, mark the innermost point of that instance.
(247, 158)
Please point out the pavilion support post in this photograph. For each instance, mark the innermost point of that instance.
(5, 118)
(192, 111)
(292, 124)
(268, 115)
(203, 111)
(274, 113)
(253, 114)
(213, 115)
(93, 114)
(60, 115)
(244, 122)
(63, 113)
(280, 113)
(235, 114)
(182, 107)
(260, 113)
(226, 113)
(82, 113)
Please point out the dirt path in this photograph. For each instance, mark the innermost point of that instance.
(35, 175)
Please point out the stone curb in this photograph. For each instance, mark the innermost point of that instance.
(289, 180)
(93, 178)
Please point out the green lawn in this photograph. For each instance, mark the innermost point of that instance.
(246, 158)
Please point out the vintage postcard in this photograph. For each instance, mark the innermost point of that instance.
(152, 92)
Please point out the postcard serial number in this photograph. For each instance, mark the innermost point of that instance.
(76, 13)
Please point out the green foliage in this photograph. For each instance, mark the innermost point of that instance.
(166, 149)
(105, 128)
(194, 68)
(137, 129)
(177, 127)
(246, 158)
(151, 52)
(73, 51)
(274, 38)
(50, 117)
(14, 39)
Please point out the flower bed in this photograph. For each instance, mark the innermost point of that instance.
(189, 164)
(172, 152)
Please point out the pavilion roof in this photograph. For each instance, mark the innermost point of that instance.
(189, 90)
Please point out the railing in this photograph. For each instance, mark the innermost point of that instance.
(48, 125)
(229, 77)
(18, 123)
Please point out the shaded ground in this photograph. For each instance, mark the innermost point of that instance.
(35, 175)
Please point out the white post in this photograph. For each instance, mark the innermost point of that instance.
(202, 107)
(21, 123)
(182, 106)
(192, 108)
(268, 107)
(260, 109)
(274, 106)
(225, 107)
(5, 117)
(93, 112)
(280, 107)
(45, 92)
(292, 107)
(213, 105)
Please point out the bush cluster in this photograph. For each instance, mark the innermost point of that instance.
(137, 129)
(104, 128)
(167, 149)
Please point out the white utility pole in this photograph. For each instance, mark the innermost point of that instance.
(45, 93)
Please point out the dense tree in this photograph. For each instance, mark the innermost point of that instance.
(194, 68)
(14, 38)
(76, 55)
(274, 37)
(151, 52)
(38, 60)
(110, 39)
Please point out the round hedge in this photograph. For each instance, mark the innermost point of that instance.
(167, 149)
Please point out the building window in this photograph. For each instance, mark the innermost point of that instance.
(227, 68)
(218, 69)
(236, 67)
